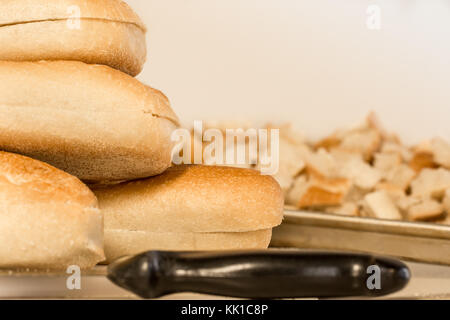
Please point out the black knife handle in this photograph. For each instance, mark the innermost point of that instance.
(265, 274)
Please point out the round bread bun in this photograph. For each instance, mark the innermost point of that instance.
(49, 219)
(97, 32)
(194, 199)
(91, 121)
(119, 243)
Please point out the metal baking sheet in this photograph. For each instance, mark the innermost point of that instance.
(424, 242)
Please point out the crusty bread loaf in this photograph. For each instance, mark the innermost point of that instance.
(107, 32)
(48, 218)
(120, 243)
(92, 121)
(194, 199)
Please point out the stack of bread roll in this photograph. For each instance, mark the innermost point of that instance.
(68, 98)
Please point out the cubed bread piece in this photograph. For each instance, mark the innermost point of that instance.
(317, 197)
(321, 163)
(365, 142)
(346, 209)
(328, 143)
(441, 152)
(360, 173)
(400, 176)
(385, 162)
(422, 156)
(427, 209)
(341, 156)
(298, 189)
(395, 147)
(423, 146)
(431, 182)
(356, 194)
(293, 153)
(320, 192)
(364, 138)
(406, 202)
(285, 180)
(290, 163)
(379, 205)
(422, 160)
(395, 192)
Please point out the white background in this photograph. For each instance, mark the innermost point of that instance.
(310, 62)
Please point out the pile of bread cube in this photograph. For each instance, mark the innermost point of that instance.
(365, 171)
(361, 171)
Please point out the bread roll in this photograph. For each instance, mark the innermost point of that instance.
(48, 218)
(120, 243)
(97, 32)
(92, 121)
(195, 199)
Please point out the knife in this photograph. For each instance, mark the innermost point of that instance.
(264, 274)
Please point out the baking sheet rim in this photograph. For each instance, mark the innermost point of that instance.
(418, 229)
